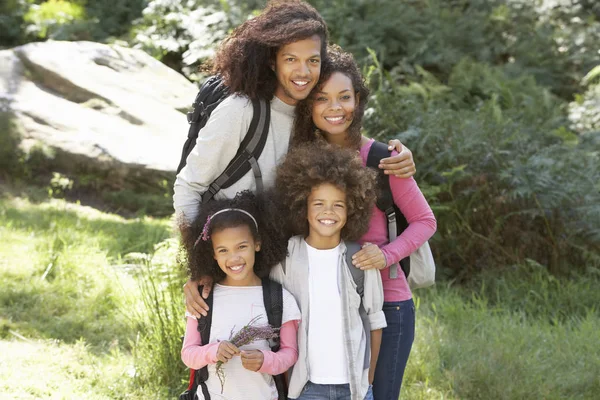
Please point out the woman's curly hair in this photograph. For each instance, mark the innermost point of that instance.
(245, 57)
(198, 253)
(310, 165)
(304, 129)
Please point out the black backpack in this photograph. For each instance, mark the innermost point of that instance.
(385, 202)
(212, 92)
(273, 301)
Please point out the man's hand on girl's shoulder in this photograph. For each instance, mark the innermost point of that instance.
(194, 302)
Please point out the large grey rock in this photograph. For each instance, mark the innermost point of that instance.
(105, 107)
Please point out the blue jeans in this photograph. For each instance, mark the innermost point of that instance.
(315, 391)
(396, 342)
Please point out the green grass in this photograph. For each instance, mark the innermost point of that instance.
(92, 303)
(468, 347)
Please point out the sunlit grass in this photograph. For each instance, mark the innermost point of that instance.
(468, 348)
(91, 307)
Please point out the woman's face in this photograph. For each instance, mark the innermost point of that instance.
(333, 106)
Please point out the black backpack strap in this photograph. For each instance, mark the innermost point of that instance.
(211, 94)
(273, 301)
(248, 153)
(385, 202)
(358, 275)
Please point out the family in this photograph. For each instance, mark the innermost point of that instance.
(281, 301)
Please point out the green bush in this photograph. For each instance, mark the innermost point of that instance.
(183, 34)
(554, 44)
(11, 21)
(55, 19)
(507, 179)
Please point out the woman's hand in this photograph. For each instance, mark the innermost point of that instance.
(252, 359)
(370, 256)
(226, 351)
(401, 165)
(194, 303)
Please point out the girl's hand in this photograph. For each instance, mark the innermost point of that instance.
(252, 359)
(370, 256)
(194, 303)
(226, 351)
(401, 165)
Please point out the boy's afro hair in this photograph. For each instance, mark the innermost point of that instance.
(310, 165)
(198, 254)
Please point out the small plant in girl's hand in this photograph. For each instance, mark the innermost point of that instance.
(248, 334)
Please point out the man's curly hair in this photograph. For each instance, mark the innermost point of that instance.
(304, 129)
(245, 57)
(199, 253)
(310, 165)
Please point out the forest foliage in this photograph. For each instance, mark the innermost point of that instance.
(499, 100)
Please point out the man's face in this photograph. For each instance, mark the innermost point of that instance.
(297, 66)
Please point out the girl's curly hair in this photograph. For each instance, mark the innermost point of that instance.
(304, 129)
(310, 165)
(198, 253)
(245, 57)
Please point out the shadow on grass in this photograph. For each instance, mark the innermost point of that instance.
(118, 236)
(62, 312)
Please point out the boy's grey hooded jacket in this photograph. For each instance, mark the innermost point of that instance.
(293, 275)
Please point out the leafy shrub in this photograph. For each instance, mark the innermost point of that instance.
(53, 19)
(181, 34)
(11, 21)
(554, 44)
(112, 18)
(507, 179)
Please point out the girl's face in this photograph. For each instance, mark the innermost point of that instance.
(333, 106)
(327, 216)
(234, 250)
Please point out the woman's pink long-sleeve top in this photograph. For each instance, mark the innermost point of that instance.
(422, 225)
(196, 356)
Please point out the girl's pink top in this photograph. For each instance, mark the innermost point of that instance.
(422, 226)
(196, 356)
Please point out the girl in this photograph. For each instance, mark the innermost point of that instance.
(333, 113)
(330, 196)
(231, 242)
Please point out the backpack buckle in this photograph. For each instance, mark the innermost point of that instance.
(198, 111)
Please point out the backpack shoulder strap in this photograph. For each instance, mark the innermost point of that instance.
(248, 153)
(358, 275)
(212, 92)
(385, 201)
(379, 150)
(204, 324)
(273, 300)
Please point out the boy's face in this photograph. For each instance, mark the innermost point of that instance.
(297, 66)
(327, 214)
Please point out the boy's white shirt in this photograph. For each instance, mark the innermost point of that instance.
(217, 144)
(324, 356)
(295, 280)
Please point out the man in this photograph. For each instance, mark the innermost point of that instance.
(275, 56)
